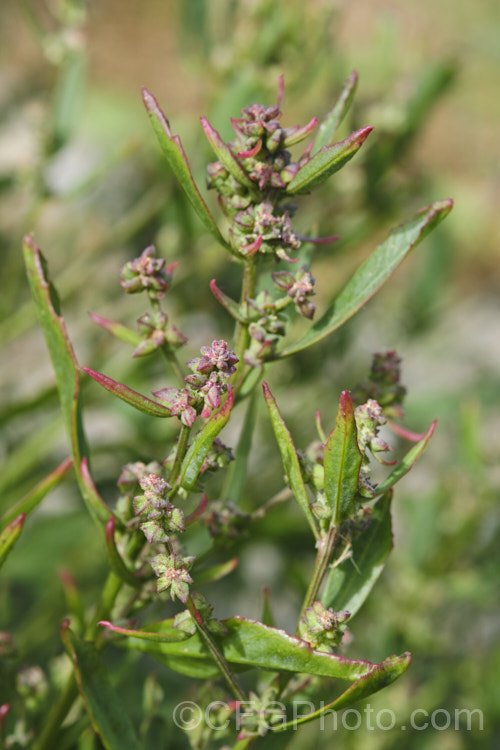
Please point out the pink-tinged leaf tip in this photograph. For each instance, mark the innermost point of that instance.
(360, 136)
(66, 578)
(253, 247)
(251, 152)
(106, 624)
(110, 529)
(4, 710)
(19, 521)
(345, 404)
(153, 108)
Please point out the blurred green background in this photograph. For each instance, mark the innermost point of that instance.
(80, 167)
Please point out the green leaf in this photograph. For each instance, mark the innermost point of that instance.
(225, 155)
(349, 583)
(380, 676)
(407, 463)
(167, 635)
(35, 496)
(107, 715)
(118, 330)
(342, 461)
(289, 458)
(203, 441)
(9, 536)
(373, 273)
(66, 368)
(326, 162)
(58, 343)
(248, 643)
(172, 148)
(137, 400)
(229, 304)
(330, 124)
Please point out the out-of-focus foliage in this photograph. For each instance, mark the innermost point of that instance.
(78, 166)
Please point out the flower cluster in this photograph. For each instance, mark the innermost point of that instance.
(225, 520)
(218, 457)
(299, 287)
(323, 628)
(147, 272)
(369, 419)
(172, 571)
(128, 483)
(265, 325)
(156, 333)
(205, 385)
(159, 517)
(259, 228)
(159, 520)
(252, 178)
(262, 712)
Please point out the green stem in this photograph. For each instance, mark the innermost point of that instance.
(325, 550)
(214, 650)
(182, 444)
(241, 335)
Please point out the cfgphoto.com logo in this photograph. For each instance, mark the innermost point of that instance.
(219, 715)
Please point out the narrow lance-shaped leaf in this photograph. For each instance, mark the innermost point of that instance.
(172, 148)
(203, 441)
(229, 304)
(326, 162)
(330, 124)
(380, 676)
(247, 643)
(224, 153)
(106, 713)
(290, 459)
(58, 343)
(172, 636)
(135, 399)
(342, 461)
(9, 536)
(35, 496)
(118, 330)
(349, 583)
(407, 463)
(65, 365)
(373, 273)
